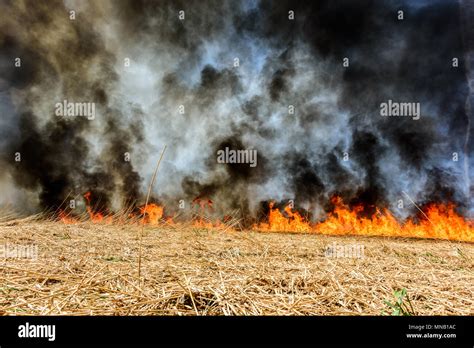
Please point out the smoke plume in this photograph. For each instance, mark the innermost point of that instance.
(300, 82)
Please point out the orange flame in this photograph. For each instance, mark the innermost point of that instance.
(440, 222)
(204, 204)
(278, 222)
(153, 213)
(65, 217)
(95, 216)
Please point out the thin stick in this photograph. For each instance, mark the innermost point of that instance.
(144, 211)
(426, 216)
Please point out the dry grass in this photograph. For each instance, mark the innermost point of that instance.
(91, 269)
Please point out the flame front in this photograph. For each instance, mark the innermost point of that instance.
(152, 213)
(65, 217)
(440, 221)
(437, 221)
(277, 222)
(95, 216)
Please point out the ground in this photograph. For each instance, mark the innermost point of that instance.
(92, 269)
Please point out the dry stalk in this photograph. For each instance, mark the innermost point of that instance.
(144, 212)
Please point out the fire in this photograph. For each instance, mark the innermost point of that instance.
(279, 222)
(65, 217)
(95, 216)
(204, 204)
(436, 221)
(439, 221)
(202, 223)
(153, 213)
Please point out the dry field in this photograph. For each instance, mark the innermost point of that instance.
(91, 269)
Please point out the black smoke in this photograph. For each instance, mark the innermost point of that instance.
(227, 75)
